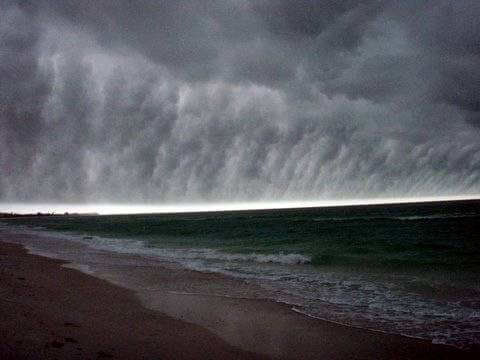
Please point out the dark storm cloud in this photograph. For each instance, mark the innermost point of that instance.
(236, 100)
(23, 91)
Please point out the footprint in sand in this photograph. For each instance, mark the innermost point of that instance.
(69, 324)
(103, 354)
(57, 344)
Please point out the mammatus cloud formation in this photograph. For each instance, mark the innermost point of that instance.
(228, 100)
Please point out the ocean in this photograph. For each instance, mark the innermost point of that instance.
(410, 269)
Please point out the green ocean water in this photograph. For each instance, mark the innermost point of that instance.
(431, 236)
(411, 269)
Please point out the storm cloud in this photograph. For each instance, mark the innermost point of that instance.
(229, 100)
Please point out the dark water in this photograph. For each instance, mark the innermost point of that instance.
(410, 268)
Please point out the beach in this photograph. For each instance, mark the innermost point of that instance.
(49, 311)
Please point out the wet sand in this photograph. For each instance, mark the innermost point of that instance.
(51, 312)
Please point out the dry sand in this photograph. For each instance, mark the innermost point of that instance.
(51, 312)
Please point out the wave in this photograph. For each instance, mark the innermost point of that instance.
(281, 258)
(435, 216)
(217, 255)
(141, 247)
(403, 218)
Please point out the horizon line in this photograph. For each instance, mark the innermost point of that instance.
(125, 209)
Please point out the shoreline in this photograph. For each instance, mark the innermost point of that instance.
(279, 331)
(52, 312)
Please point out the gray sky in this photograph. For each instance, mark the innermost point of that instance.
(237, 100)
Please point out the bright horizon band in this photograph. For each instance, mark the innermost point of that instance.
(114, 209)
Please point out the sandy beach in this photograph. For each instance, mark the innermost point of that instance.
(51, 312)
